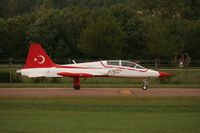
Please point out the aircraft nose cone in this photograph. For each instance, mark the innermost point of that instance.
(164, 74)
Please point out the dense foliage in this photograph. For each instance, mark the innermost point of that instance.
(101, 29)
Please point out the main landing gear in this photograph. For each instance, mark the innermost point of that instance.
(77, 84)
(145, 84)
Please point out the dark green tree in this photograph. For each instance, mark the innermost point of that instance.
(134, 29)
(165, 39)
(44, 30)
(72, 22)
(15, 42)
(102, 38)
(192, 38)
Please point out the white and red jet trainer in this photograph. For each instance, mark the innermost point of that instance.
(38, 64)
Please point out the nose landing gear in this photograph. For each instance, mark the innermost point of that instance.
(145, 84)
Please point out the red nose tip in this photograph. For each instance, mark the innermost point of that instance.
(164, 74)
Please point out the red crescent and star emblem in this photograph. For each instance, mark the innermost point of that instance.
(39, 59)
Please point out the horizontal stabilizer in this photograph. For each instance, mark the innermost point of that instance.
(67, 74)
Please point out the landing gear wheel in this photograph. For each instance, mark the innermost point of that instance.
(144, 87)
(77, 87)
(145, 84)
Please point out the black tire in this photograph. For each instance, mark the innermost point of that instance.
(144, 87)
(77, 87)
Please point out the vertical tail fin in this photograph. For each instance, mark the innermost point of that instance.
(38, 58)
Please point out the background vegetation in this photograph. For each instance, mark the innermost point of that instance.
(102, 29)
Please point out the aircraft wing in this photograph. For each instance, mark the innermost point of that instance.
(70, 74)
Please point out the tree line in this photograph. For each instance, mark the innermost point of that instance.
(101, 29)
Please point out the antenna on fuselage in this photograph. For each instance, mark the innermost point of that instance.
(74, 61)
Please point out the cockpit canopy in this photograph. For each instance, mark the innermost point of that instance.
(124, 63)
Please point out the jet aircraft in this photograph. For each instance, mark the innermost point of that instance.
(38, 64)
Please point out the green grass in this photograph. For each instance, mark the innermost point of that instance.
(100, 115)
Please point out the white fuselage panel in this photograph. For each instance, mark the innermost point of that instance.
(97, 69)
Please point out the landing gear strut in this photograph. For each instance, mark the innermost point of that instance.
(77, 84)
(145, 84)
